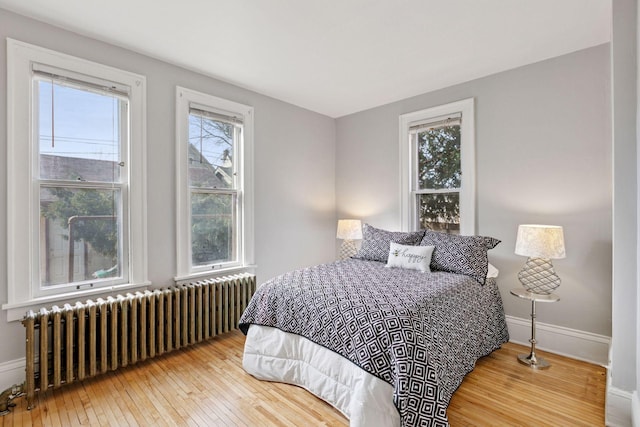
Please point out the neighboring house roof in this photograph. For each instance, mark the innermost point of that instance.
(205, 174)
(201, 171)
(74, 168)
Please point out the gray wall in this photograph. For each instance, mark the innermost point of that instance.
(294, 165)
(636, 392)
(625, 195)
(543, 141)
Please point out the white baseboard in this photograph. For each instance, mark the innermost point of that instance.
(618, 410)
(635, 409)
(568, 342)
(12, 372)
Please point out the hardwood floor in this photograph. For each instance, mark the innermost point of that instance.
(501, 391)
(205, 385)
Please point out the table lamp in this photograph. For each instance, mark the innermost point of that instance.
(541, 243)
(349, 230)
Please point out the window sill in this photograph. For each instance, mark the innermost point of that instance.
(17, 310)
(179, 280)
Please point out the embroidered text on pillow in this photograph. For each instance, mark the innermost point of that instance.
(410, 258)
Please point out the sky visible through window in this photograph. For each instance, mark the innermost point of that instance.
(85, 124)
(211, 138)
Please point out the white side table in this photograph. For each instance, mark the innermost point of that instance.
(531, 359)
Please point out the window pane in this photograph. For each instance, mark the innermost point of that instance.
(439, 158)
(211, 152)
(439, 212)
(79, 133)
(80, 235)
(213, 220)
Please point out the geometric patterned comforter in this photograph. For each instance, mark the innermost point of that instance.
(420, 332)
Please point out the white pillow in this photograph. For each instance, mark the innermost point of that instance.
(493, 272)
(410, 257)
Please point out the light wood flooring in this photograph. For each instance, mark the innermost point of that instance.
(205, 385)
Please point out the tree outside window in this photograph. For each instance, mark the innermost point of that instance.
(439, 177)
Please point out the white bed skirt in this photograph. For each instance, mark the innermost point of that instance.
(273, 355)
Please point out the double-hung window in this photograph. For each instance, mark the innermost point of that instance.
(214, 181)
(76, 176)
(81, 132)
(437, 155)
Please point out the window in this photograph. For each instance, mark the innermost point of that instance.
(214, 184)
(438, 157)
(76, 175)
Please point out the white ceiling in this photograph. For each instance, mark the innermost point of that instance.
(337, 57)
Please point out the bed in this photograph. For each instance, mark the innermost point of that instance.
(385, 342)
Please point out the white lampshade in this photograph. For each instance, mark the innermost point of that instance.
(349, 229)
(540, 241)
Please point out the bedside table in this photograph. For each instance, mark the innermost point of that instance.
(531, 359)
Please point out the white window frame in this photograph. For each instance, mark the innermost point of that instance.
(185, 98)
(408, 163)
(23, 265)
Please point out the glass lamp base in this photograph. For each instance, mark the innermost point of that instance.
(348, 249)
(538, 276)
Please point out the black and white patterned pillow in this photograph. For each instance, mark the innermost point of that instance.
(491, 242)
(460, 254)
(376, 242)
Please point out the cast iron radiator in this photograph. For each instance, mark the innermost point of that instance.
(75, 342)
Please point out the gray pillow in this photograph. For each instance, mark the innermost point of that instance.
(460, 254)
(376, 242)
